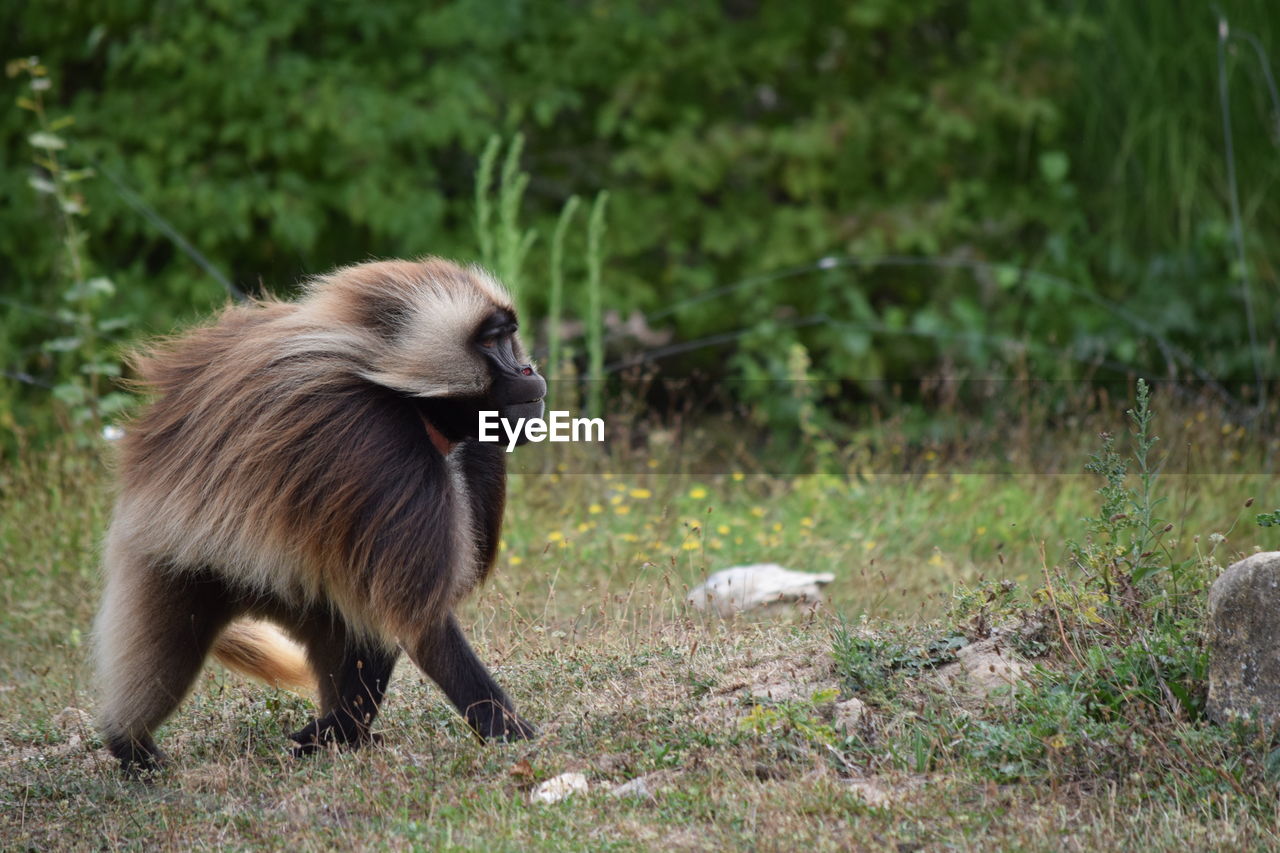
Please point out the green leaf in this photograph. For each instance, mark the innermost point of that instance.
(41, 184)
(97, 286)
(1054, 166)
(101, 368)
(46, 141)
(1146, 571)
(114, 324)
(71, 393)
(68, 344)
(1007, 276)
(114, 402)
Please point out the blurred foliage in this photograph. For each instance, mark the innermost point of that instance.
(969, 141)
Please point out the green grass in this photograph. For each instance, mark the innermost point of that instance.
(583, 621)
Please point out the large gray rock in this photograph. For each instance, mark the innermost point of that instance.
(1244, 641)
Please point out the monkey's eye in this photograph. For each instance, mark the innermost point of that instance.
(489, 342)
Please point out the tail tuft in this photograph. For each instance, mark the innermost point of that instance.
(259, 650)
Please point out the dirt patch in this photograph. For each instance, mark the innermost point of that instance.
(795, 675)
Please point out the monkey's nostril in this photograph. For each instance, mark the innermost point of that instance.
(527, 371)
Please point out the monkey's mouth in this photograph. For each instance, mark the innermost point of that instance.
(521, 416)
(523, 408)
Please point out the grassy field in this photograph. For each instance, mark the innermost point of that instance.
(739, 728)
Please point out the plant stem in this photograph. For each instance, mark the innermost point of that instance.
(557, 286)
(595, 305)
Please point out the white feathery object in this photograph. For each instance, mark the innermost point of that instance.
(557, 788)
(740, 588)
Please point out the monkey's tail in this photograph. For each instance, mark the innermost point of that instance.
(261, 651)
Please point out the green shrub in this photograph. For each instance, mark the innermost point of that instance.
(931, 149)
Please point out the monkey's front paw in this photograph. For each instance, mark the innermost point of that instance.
(139, 759)
(517, 729)
(492, 722)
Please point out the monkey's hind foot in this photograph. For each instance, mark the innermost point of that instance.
(332, 731)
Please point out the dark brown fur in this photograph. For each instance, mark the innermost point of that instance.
(284, 472)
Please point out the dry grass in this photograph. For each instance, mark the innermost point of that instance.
(669, 710)
(584, 625)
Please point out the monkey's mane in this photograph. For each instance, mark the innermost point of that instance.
(269, 437)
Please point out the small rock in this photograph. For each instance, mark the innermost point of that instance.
(612, 763)
(637, 787)
(849, 714)
(981, 668)
(73, 720)
(1244, 660)
(988, 666)
(559, 787)
(758, 586)
(871, 793)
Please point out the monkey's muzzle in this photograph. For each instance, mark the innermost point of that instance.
(522, 399)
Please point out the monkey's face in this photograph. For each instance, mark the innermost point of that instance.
(502, 380)
(440, 335)
(516, 389)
